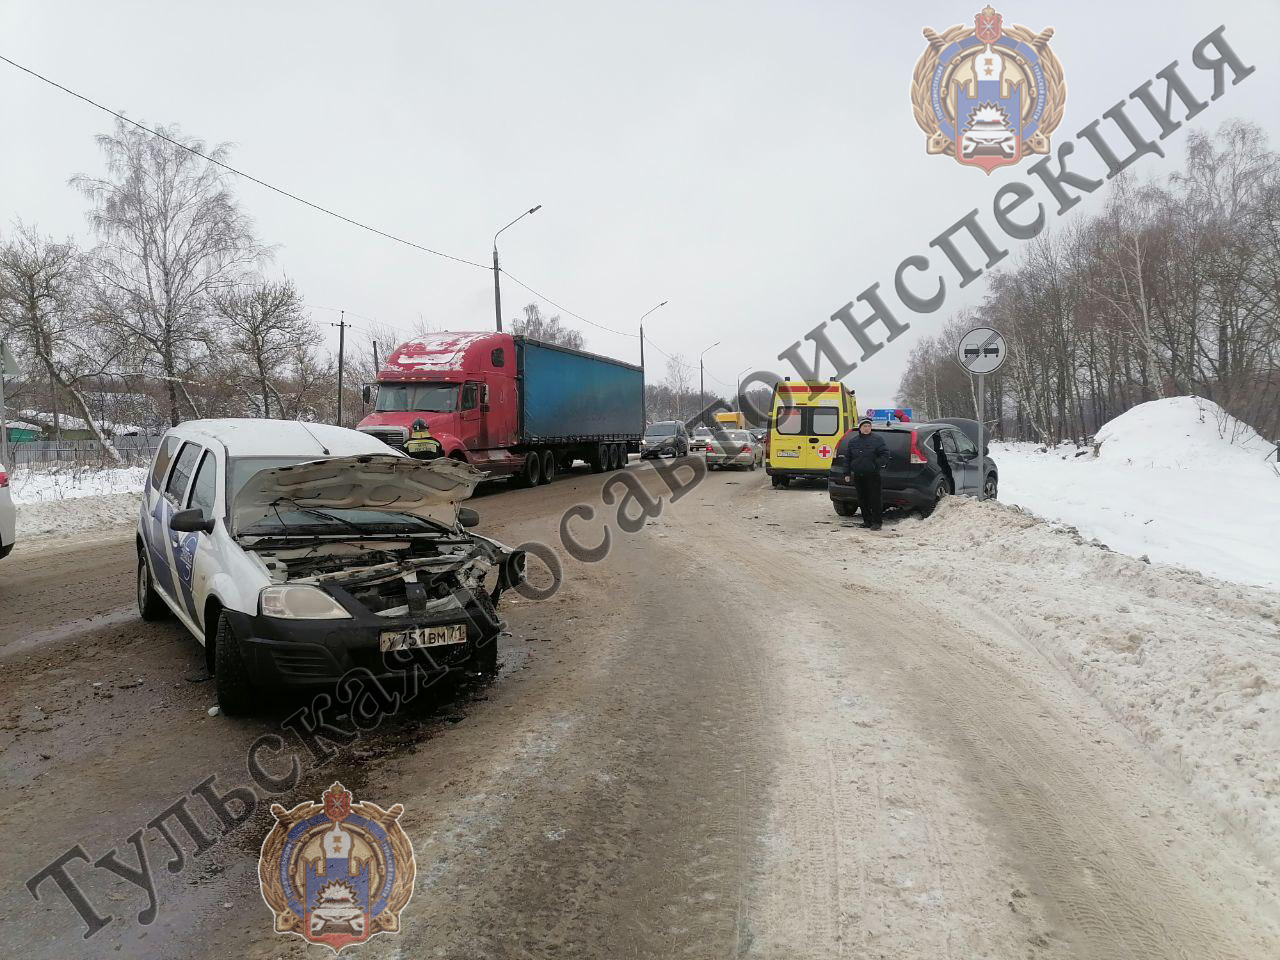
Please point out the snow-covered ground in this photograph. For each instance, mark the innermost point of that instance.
(1188, 664)
(72, 483)
(73, 500)
(1175, 480)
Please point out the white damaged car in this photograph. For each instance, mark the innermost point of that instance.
(296, 552)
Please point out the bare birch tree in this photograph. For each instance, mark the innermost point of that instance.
(172, 238)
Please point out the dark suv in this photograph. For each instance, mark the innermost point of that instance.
(667, 438)
(927, 461)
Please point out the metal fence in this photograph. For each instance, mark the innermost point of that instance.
(134, 451)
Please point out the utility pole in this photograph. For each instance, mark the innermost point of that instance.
(342, 341)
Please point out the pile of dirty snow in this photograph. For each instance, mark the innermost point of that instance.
(1176, 480)
(68, 501)
(70, 518)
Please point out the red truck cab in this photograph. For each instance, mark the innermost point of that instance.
(463, 386)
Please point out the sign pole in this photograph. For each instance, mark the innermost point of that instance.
(982, 457)
(981, 351)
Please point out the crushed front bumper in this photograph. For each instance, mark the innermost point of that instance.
(316, 652)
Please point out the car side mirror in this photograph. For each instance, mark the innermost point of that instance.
(468, 517)
(366, 394)
(191, 521)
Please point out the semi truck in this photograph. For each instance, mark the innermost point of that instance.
(509, 405)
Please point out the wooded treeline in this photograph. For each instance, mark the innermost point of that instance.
(174, 309)
(1171, 289)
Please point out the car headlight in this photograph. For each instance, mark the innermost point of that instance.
(300, 602)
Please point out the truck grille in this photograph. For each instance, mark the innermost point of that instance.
(391, 436)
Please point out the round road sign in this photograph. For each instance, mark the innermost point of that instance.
(981, 350)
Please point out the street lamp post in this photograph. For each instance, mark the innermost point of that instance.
(702, 390)
(497, 283)
(738, 396)
(645, 400)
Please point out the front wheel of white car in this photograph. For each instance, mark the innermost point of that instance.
(150, 606)
(230, 675)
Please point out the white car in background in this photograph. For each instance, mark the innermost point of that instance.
(299, 552)
(8, 515)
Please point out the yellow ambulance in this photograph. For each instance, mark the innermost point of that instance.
(806, 420)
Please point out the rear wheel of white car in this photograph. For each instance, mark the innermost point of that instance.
(150, 606)
(230, 675)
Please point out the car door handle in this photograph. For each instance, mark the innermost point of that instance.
(813, 439)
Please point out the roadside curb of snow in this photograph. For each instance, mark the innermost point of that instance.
(64, 519)
(1188, 664)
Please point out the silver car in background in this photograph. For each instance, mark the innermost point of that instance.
(8, 516)
(733, 448)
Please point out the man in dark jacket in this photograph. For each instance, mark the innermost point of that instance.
(865, 456)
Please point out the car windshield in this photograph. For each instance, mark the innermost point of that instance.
(240, 469)
(702, 432)
(739, 436)
(656, 430)
(417, 397)
(288, 517)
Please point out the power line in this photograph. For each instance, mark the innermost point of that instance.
(315, 206)
(576, 316)
(241, 173)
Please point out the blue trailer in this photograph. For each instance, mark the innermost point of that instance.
(569, 396)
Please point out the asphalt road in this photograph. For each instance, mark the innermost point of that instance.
(705, 744)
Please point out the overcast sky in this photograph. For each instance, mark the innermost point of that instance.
(754, 163)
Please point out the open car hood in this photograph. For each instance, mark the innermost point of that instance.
(431, 489)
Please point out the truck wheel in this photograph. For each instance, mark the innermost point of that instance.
(530, 474)
(548, 466)
(599, 459)
(623, 457)
(230, 676)
(150, 606)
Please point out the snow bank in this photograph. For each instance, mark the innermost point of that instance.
(1189, 665)
(77, 516)
(70, 501)
(1176, 480)
(72, 483)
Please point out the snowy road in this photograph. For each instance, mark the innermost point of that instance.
(753, 730)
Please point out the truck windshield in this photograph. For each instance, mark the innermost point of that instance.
(418, 397)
